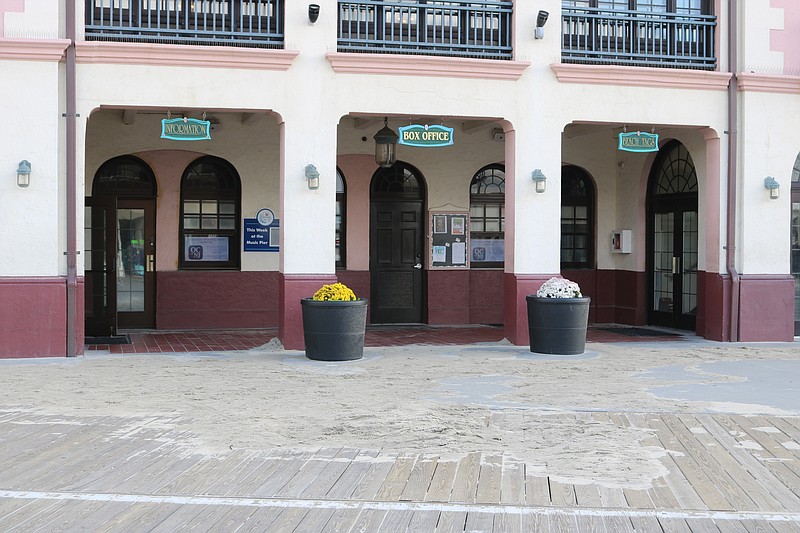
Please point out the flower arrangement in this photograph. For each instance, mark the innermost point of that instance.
(559, 288)
(335, 292)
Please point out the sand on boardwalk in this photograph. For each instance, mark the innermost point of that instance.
(549, 412)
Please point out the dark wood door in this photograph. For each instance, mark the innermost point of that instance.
(795, 260)
(99, 266)
(396, 271)
(120, 265)
(673, 260)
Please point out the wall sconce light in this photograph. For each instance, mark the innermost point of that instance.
(312, 176)
(541, 20)
(24, 174)
(386, 145)
(540, 180)
(774, 188)
(313, 13)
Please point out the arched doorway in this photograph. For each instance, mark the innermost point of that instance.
(795, 241)
(672, 238)
(120, 248)
(397, 281)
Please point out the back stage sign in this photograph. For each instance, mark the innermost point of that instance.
(638, 141)
(426, 136)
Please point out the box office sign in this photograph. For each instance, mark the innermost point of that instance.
(426, 136)
(638, 141)
(185, 129)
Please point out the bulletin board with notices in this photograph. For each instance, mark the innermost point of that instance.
(448, 236)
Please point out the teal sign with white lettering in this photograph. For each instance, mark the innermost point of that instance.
(638, 141)
(185, 129)
(426, 136)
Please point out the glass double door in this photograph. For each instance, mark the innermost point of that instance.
(673, 276)
(119, 265)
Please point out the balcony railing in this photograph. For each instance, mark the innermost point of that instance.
(478, 29)
(251, 23)
(650, 39)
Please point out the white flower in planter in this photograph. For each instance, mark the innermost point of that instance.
(559, 288)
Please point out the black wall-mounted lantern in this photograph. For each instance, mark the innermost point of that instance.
(313, 13)
(386, 145)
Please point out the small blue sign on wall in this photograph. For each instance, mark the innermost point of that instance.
(262, 234)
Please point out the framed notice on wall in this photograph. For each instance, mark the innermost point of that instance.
(448, 238)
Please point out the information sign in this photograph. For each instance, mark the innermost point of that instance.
(426, 136)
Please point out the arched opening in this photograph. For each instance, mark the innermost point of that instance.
(397, 225)
(120, 233)
(672, 239)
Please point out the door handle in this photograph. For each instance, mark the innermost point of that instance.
(418, 266)
(150, 262)
(676, 262)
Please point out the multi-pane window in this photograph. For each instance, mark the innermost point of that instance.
(210, 206)
(795, 241)
(487, 217)
(577, 218)
(341, 220)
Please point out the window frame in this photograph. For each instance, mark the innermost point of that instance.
(574, 172)
(234, 235)
(341, 204)
(487, 199)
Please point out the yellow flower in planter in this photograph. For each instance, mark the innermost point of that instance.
(335, 292)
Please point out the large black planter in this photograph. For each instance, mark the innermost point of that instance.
(333, 330)
(558, 325)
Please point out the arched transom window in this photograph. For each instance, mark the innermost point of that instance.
(210, 214)
(487, 217)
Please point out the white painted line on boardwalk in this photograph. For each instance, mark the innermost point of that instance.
(393, 506)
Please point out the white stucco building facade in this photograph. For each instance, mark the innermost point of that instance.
(123, 229)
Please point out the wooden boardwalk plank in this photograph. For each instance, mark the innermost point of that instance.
(507, 522)
(512, 487)
(141, 517)
(638, 499)
(373, 480)
(420, 479)
(762, 485)
(621, 524)
(288, 519)
(260, 521)
(562, 494)
(646, 524)
(329, 475)
(307, 474)
(351, 478)
(698, 480)
(22, 516)
(564, 523)
(465, 486)
(591, 524)
(537, 488)
(779, 445)
(537, 522)
(674, 525)
(368, 520)
(489, 480)
(396, 479)
(423, 521)
(314, 521)
(477, 521)
(396, 521)
(451, 522)
(442, 481)
(739, 484)
(702, 525)
(287, 468)
(587, 496)
(342, 520)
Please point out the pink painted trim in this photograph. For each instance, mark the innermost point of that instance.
(485, 69)
(178, 55)
(33, 49)
(8, 6)
(785, 40)
(766, 83)
(641, 77)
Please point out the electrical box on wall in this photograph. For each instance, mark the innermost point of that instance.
(621, 241)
